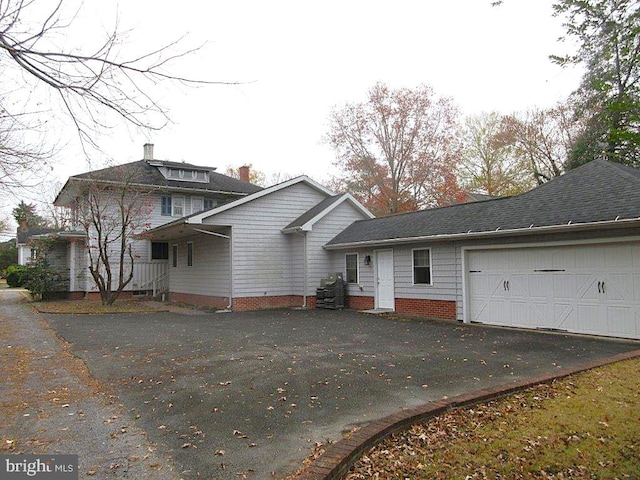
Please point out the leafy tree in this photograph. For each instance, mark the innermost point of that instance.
(488, 162)
(27, 214)
(8, 254)
(397, 150)
(607, 33)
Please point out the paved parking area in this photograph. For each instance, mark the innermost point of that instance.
(233, 394)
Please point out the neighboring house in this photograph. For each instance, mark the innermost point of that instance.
(24, 234)
(170, 190)
(563, 256)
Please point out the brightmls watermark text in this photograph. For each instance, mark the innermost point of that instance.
(49, 467)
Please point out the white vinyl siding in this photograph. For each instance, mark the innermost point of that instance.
(262, 253)
(210, 275)
(321, 261)
(443, 273)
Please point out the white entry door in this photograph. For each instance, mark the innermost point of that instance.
(592, 289)
(385, 297)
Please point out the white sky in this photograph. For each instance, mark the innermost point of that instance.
(301, 58)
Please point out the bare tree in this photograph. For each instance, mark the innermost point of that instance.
(113, 215)
(90, 85)
(542, 139)
(397, 150)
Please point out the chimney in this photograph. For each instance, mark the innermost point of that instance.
(244, 173)
(148, 151)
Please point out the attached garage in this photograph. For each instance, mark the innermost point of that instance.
(564, 256)
(589, 288)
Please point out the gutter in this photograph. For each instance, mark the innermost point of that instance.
(569, 227)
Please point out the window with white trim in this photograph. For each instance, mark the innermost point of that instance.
(197, 204)
(189, 254)
(178, 206)
(174, 255)
(209, 203)
(351, 267)
(166, 205)
(422, 266)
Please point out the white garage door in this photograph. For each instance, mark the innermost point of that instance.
(591, 289)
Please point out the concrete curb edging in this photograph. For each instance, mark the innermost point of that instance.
(339, 457)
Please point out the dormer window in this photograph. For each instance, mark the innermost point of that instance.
(187, 175)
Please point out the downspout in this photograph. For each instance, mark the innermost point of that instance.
(230, 305)
(304, 270)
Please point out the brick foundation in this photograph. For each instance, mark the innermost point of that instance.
(207, 301)
(427, 308)
(244, 304)
(360, 303)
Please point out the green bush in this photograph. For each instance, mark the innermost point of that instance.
(16, 275)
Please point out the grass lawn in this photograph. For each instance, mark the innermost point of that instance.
(584, 426)
(84, 307)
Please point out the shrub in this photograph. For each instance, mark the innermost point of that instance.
(16, 275)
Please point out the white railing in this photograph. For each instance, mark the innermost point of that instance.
(150, 276)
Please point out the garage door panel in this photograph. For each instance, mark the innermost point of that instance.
(561, 286)
(589, 317)
(621, 320)
(619, 286)
(591, 289)
(587, 288)
(564, 316)
(541, 315)
(519, 312)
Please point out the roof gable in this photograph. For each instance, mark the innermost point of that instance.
(198, 218)
(599, 191)
(306, 221)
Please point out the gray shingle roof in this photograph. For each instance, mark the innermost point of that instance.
(24, 234)
(142, 172)
(310, 214)
(597, 191)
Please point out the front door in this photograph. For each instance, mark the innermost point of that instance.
(385, 297)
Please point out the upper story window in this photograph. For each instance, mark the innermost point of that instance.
(178, 206)
(209, 203)
(166, 206)
(197, 204)
(187, 175)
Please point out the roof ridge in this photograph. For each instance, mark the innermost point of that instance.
(625, 170)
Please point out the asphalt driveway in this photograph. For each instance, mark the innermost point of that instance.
(228, 395)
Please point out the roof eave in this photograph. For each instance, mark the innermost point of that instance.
(491, 234)
(149, 186)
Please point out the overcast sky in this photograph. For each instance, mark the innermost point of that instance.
(298, 59)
